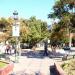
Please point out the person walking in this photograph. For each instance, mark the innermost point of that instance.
(8, 48)
(45, 48)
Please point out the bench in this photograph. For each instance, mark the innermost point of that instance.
(67, 56)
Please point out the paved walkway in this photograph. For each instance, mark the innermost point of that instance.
(33, 66)
(32, 63)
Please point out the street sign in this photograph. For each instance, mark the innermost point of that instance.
(15, 30)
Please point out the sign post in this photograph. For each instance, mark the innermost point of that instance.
(15, 33)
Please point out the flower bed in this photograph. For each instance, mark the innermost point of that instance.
(6, 68)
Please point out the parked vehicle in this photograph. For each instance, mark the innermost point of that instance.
(66, 48)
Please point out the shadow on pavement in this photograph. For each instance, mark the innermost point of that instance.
(40, 54)
(56, 55)
(33, 54)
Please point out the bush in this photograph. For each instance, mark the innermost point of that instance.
(69, 67)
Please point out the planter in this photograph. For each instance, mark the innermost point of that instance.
(59, 70)
(7, 69)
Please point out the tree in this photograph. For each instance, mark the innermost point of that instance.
(38, 30)
(24, 30)
(63, 10)
(4, 28)
(31, 30)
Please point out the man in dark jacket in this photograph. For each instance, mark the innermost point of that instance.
(45, 48)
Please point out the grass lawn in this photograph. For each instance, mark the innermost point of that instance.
(2, 64)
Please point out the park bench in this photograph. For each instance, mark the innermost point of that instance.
(66, 57)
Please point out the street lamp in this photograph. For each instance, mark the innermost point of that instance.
(15, 13)
(15, 32)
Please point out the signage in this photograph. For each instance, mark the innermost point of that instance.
(15, 30)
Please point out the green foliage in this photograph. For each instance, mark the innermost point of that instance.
(31, 30)
(3, 24)
(38, 30)
(69, 67)
(2, 64)
(63, 10)
(12, 40)
(65, 40)
(73, 20)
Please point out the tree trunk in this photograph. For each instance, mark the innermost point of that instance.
(33, 48)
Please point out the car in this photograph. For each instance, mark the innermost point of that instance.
(66, 48)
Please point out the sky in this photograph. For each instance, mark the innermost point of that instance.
(27, 8)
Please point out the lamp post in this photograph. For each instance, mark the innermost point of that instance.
(15, 33)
